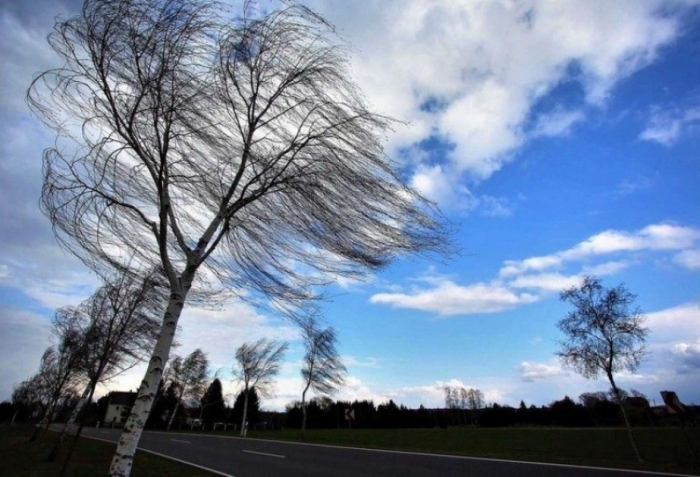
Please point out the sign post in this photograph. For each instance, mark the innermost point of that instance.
(349, 416)
(675, 406)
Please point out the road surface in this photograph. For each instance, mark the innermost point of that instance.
(238, 457)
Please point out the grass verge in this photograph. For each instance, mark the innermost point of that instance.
(20, 458)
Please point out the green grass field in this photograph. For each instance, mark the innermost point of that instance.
(664, 449)
(20, 458)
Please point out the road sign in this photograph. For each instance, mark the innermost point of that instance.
(672, 402)
(349, 414)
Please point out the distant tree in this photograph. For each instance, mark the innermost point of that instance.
(28, 398)
(248, 404)
(451, 397)
(59, 371)
(322, 369)
(212, 403)
(234, 143)
(189, 375)
(163, 405)
(256, 366)
(605, 334)
(118, 324)
(475, 399)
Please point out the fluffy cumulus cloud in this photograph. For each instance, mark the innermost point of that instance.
(689, 353)
(520, 282)
(530, 371)
(472, 73)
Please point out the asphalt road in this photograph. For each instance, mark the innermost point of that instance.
(237, 457)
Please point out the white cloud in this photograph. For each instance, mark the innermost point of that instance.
(433, 395)
(353, 362)
(666, 126)
(688, 258)
(220, 331)
(552, 282)
(448, 298)
(675, 324)
(689, 352)
(656, 237)
(356, 389)
(530, 371)
(557, 123)
(473, 72)
(541, 275)
(638, 184)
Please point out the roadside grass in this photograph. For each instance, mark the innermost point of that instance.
(664, 449)
(20, 458)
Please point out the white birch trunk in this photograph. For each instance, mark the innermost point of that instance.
(78, 407)
(303, 411)
(129, 440)
(69, 426)
(245, 414)
(172, 416)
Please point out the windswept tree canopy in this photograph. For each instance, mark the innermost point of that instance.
(257, 364)
(238, 143)
(117, 325)
(322, 368)
(605, 331)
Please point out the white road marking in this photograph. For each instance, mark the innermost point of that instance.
(178, 440)
(265, 454)
(168, 457)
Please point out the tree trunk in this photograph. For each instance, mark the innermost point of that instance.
(69, 424)
(45, 421)
(174, 413)
(245, 413)
(618, 397)
(81, 423)
(303, 413)
(126, 448)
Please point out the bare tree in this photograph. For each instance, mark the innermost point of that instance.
(118, 324)
(189, 139)
(27, 396)
(322, 369)
(605, 333)
(59, 371)
(190, 377)
(475, 399)
(256, 366)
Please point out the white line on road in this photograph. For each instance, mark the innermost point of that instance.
(265, 454)
(169, 458)
(178, 440)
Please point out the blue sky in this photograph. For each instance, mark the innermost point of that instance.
(558, 138)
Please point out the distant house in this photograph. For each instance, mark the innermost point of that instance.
(118, 408)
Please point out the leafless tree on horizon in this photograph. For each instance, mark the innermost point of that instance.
(605, 333)
(322, 368)
(189, 375)
(256, 366)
